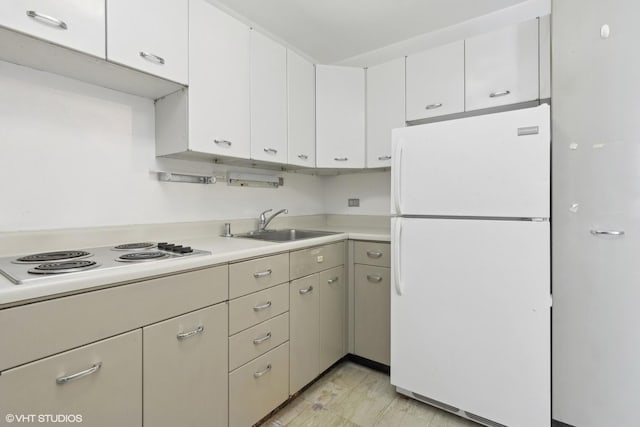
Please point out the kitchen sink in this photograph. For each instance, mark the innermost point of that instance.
(286, 235)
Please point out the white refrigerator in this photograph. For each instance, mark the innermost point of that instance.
(470, 297)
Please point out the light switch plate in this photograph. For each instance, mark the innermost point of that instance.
(353, 203)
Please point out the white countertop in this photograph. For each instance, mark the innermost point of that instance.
(223, 250)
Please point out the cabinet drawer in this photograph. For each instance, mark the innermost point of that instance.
(252, 309)
(313, 260)
(372, 313)
(76, 24)
(255, 341)
(106, 392)
(88, 317)
(259, 387)
(373, 253)
(185, 363)
(257, 274)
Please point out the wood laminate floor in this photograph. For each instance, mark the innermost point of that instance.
(352, 395)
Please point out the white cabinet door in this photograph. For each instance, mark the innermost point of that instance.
(385, 109)
(150, 36)
(470, 316)
(304, 332)
(301, 105)
(76, 24)
(268, 99)
(332, 291)
(501, 67)
(339, 117)
(218, 82)
(435, 82)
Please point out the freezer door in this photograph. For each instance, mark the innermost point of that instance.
(495, 165)
(470, 316)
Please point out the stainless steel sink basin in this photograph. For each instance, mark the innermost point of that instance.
(287, 235)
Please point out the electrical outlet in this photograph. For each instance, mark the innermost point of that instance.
(354, 203)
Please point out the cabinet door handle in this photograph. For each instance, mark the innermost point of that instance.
(78, 375)
(222, 142)
(262, 339)
(151, 57)
(261, 373)
(334, 280)
(185, 335)
(46, 19)
(271, 151)
(265, 273)
(374, 254)
(306, 290)
(433, 106)
(374, 279)
(384, 157)
(303, 156)
(499, 94)
(262, 307)
(340, 159)
(607, 232)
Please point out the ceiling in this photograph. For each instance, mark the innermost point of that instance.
(332, 30)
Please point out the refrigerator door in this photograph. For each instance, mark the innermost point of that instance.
(495, 165)
(470, 316)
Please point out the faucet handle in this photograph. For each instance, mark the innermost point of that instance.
(262, 217)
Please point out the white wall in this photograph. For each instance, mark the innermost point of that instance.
(373, 189)
(77, 155)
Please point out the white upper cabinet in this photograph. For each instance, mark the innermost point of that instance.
(435, 82)
(268, 99)
(385, 109)
(301, 104)
(502, 66)
(340, 129)
(150, 36)
(76, 24)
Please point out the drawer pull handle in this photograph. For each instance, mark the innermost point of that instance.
(262, 307)
(607, 232)
(261, 373)
(374, 254)
(185, 335)
(153, 58)
(78, 375)
(306, 290)
(271, 151)
(334, 280)
(433, 106)
(374, 279)
(265, 273)
(340, 159)
(46, 19)
(263, 339)
(222, 142)
(499, 94)
(303, 156)
(384, 157)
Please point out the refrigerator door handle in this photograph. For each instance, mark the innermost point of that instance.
(397, 173)
(397, 276)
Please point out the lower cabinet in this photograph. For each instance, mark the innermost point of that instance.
(304, 331)
(185, 370)
(372, 313)
(332, 290)
(99, 384)
(258, 387)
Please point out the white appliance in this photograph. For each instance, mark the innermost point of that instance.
(470, 298)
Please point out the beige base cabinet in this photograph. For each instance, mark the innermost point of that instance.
(258, 387)
(304, 332)
(100, 382)
(185, 370)
(333, 322)
(372, 313)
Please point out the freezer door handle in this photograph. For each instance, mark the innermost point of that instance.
(607, 232)
(396, 177)
(397, 276)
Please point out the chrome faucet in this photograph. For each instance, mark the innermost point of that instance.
(264, 221)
